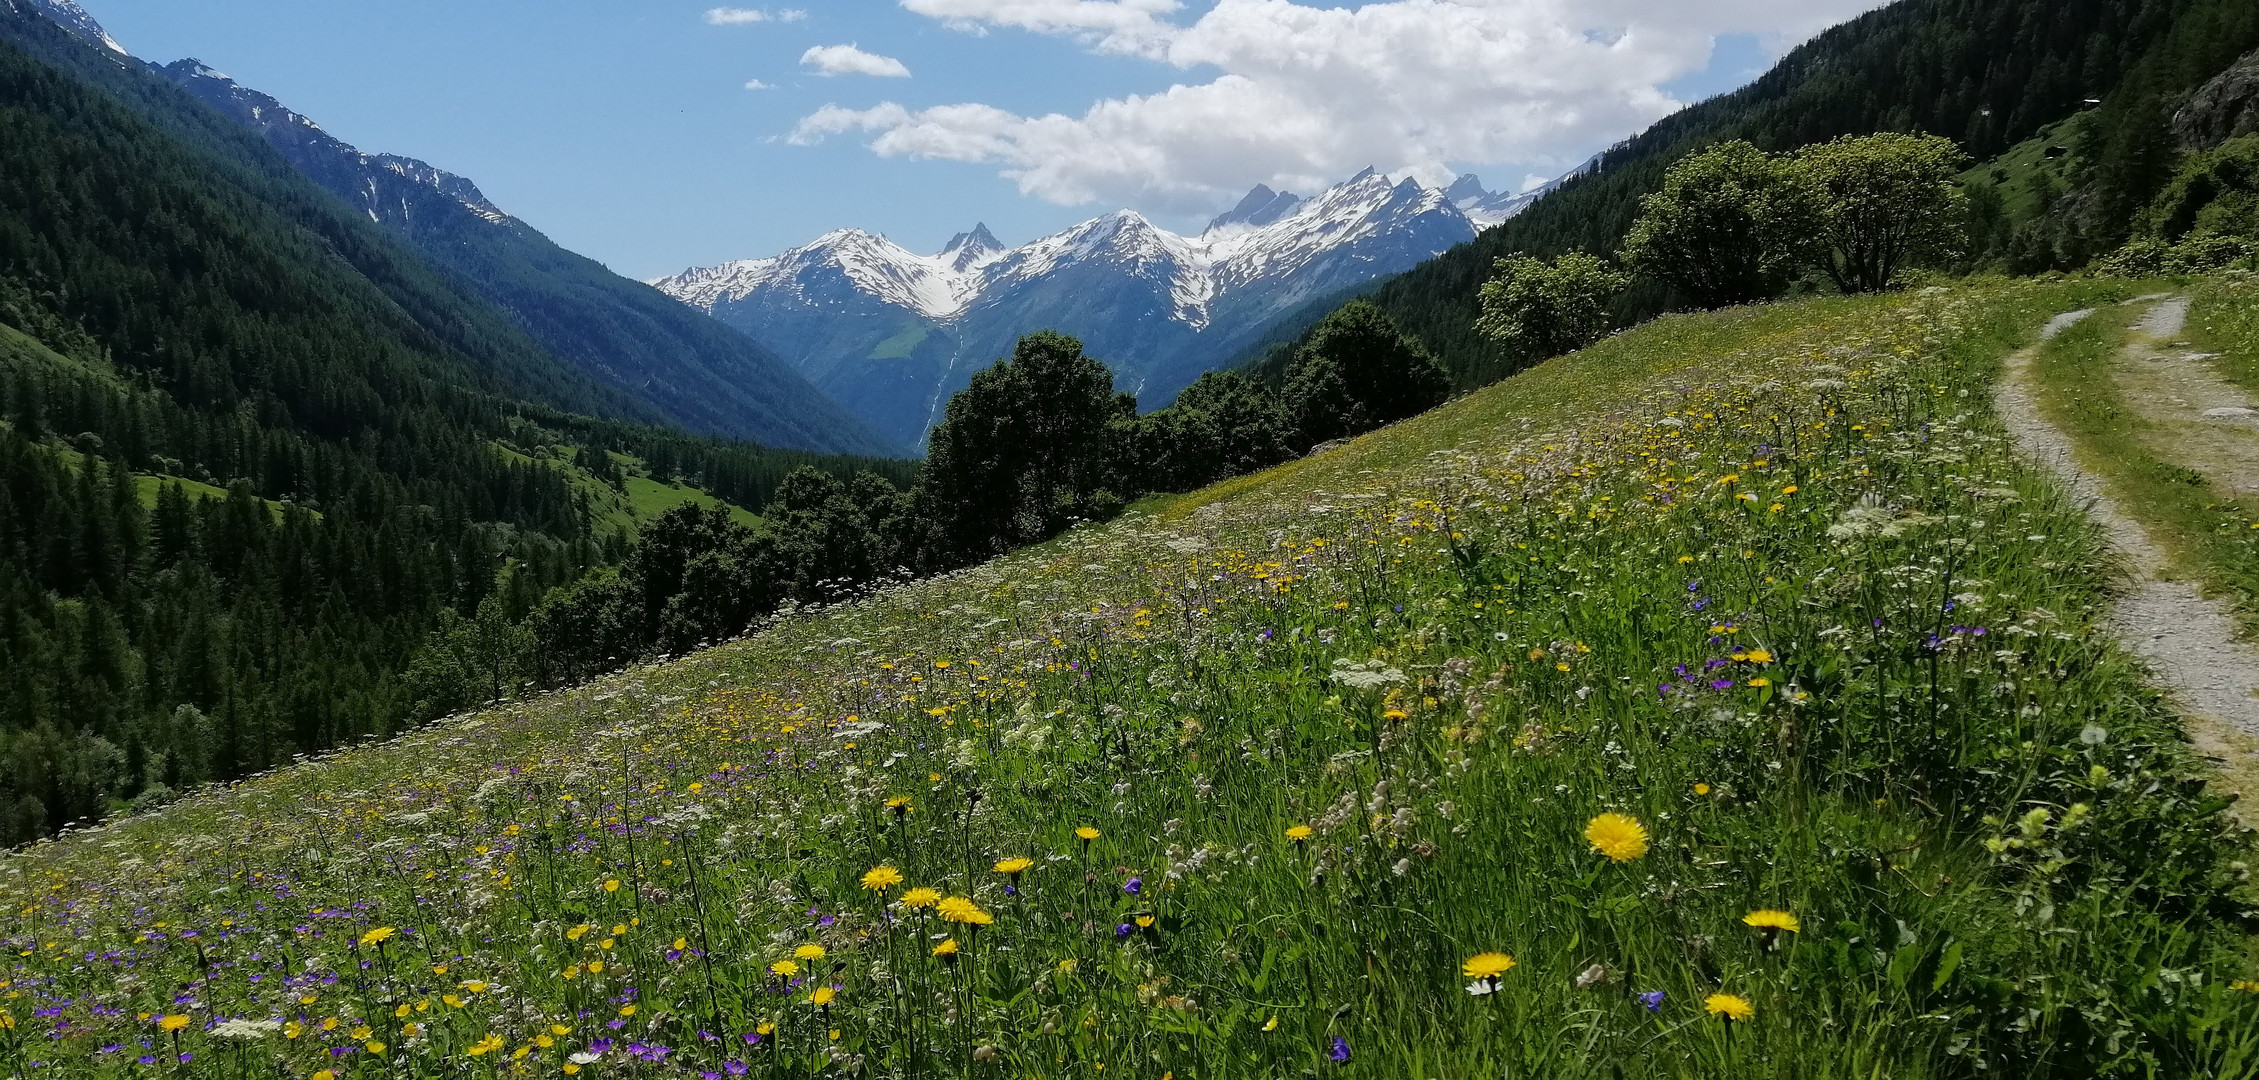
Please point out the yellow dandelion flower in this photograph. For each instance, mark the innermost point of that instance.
(808, 952)
(881, 878)
(1768, 919)
(171, 1023)
(1730, 1006)
(947, 949)
(1760, 656)
(822, 997)
(377, 936)
(900, 804)
(1298, 833)
(324, 1074)
(961, 909)
(921, 897)
(1489, 965)
(1620, 838)
(785, 968)
(1015, 866)
(1702, 789)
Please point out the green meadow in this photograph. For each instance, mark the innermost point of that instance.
(1724, 700)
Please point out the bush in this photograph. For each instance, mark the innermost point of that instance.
(1542, 310)
(1359, 372)
(1732, 225)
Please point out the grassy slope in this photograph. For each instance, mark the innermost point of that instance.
(2024, 171)
(638, 498)
(1990, 839)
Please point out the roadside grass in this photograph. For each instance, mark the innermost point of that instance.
(1286, 760)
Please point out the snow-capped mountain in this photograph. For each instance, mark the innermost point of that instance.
(74, 18)
(386, 187)
(892, 333)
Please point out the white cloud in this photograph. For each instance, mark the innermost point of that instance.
(849, 60)
(726, 16)
(1307, 95)
(756, 84)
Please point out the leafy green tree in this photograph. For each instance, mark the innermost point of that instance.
(1023, 452)
(2212, 193)
(1223, 425)
(829, 538)
(1357, 372)
(1731, 225)
(1884, 201)
(1543, 310)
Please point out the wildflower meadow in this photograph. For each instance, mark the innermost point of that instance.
(1722, 701)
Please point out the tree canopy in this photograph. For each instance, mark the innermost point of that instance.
(1732, 225)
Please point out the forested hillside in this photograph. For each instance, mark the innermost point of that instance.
(253, 454)
(700, 374)
(1987, 73)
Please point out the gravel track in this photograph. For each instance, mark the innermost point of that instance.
(2188, 640)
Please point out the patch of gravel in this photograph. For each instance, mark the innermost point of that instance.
(2189, 641)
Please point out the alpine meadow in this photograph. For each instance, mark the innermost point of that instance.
(1774, 603)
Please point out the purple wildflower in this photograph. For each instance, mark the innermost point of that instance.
(1653, 999)
(1340, 1050)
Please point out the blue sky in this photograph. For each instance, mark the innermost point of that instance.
(624, 128)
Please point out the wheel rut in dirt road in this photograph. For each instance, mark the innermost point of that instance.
(2188, 640)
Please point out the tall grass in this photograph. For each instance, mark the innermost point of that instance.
(1284, 759)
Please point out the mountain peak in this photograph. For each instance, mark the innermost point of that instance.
(1261, 207)
(1468, 186)
(967, 250)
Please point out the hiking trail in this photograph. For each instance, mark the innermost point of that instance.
(2206, 424)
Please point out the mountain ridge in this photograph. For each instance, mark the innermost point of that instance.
(891, 332)
(697, 374)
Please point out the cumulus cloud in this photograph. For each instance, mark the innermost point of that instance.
(756, 84)
(727, 16)
(849, 60)
(1307, 95)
